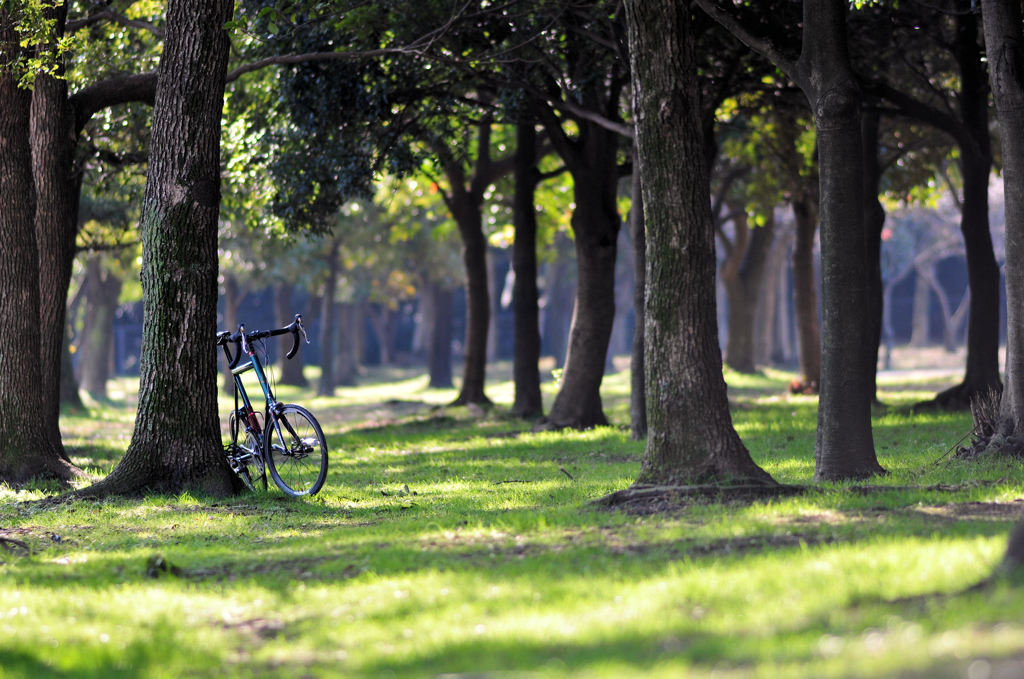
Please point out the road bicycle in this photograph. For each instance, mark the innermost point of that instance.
(285, 439)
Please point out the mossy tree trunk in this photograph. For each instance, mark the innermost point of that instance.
(176, 442)
(690, 436)
(28, 450)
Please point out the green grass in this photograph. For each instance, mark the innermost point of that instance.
(495, 564)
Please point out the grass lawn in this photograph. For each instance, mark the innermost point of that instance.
(458, 543)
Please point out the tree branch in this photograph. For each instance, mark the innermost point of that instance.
(760, 45)
(110, 15)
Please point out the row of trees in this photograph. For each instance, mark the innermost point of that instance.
(428, 85)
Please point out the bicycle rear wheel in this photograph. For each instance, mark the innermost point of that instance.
(246, 459)
(296, 451)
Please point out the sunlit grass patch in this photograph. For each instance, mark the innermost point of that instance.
(457, 540)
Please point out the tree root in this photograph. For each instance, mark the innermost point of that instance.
(656, 498)
(647, 494)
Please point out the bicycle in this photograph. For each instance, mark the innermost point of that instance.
(289, 441)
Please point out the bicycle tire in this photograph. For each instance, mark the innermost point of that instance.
(296, 451)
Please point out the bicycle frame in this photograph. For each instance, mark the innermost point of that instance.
(281, 422)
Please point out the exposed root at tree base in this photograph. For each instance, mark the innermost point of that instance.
(649, 499)
(654, 499)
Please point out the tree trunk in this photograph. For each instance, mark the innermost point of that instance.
(743, 278)
(233, 297)
(102, 291)
(1004, 45)
(596, 224)
(28, 451)
(982, 370)
(805, 286)
(69, 396)
(558, 301)
(920, 315)
(845, 446)
(325, 387)
(874, 221)
(346, 368)
(291, 369)
(439, 343)
(176, 444)
(57, 187)
(691, 438)
(466, 207)
(527, 404)
(637, 393)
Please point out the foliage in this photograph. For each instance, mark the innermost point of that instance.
(448, 542)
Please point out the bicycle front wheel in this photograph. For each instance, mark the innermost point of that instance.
(296, 451)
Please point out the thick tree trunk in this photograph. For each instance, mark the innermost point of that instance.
(637, 394)
(596, 224)
(176, 444)
(291, 369)
(982, 369)
(28, 451)
(325, 387)
(1004, 45)
(57, 187)
(691, 438)
(845, 446)
(527, 403)
(805, 286)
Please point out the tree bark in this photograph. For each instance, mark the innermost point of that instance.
(28, 450)
(637, 392)
(874, 221)
(176, 443)
(527, 403)
(982, 370)
(1004, 45)
(465, 200)
(845, 446)
(466, 207)
(57, 187)
(691, 438)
